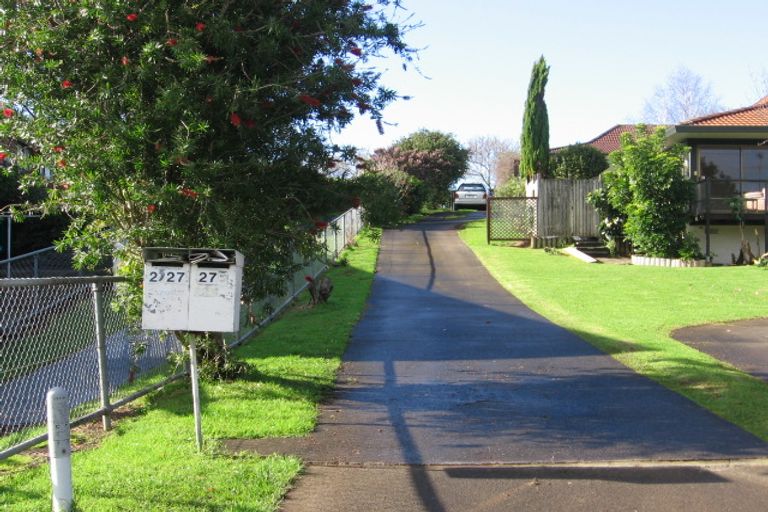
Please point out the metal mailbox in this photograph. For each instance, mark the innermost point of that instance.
(215, 288)
(192, 289)
(166, 289)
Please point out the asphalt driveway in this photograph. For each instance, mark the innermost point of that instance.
(446, 367)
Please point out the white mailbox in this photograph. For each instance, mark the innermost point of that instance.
(166, 289)
(192, 289)
(214, 298)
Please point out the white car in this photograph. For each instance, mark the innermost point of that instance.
(472, 195)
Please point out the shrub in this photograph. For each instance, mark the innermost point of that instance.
(513, 187)
(647, 196)
(388, 196)
(579, 161)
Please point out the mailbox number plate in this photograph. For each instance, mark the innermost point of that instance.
(166, 276)
(208, 277)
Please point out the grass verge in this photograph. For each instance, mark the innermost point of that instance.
(149, 461)
(629, 311)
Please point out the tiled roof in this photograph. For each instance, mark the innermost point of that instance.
(755, 115)
(610, 140)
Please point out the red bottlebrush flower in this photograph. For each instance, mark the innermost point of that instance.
(151, 208)
(356, 51)
(309, 100)
(63, 186)
(66, 84)
(330, 163)
(321, 224)
(210, 59)
(250, 123)
(125, 60)
(171, 42)
(357, 82)
(61, 163)
(3, 156)
(132, 17)
(188, 192)
(235, 119)
(58, 149)
(309, 279)
(199, 26)
(338, 62)
(8, 112)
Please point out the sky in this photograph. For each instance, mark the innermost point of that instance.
(606, 59)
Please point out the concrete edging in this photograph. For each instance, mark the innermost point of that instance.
(650, 261)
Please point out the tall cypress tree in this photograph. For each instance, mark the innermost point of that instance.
(534, 142)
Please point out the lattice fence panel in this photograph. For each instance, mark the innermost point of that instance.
(511, 218)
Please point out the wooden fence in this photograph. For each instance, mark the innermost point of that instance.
(562, 209)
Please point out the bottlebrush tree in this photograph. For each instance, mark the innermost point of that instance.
(191, 124)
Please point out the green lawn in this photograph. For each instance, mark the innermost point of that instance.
(629, 311)
(149, 461)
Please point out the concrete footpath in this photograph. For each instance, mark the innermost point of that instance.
(455, 396)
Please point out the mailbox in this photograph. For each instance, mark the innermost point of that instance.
(214, 298)
(192, 289)
(166, 289)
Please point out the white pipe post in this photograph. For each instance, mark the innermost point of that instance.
(193, 377)
(59, 449)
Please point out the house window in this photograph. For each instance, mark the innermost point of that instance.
(723, 167)
(734, 170)
(754, 166)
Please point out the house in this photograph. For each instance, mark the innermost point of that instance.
(610, 140)
(729, 163)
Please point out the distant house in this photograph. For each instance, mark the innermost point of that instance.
(610, 140)
(729, 162)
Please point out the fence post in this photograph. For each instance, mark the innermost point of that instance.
(59, 448)
(101, 347)
(488, 220)
(195, 381)
(344, 230)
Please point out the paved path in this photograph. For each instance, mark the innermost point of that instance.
(447, 368)
(742, 343)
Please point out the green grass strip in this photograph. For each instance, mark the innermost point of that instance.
(149, 461)
(629, 311)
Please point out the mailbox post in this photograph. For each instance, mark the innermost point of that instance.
(195, 290)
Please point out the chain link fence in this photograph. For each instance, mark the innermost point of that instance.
(69, 332)
(43, 263)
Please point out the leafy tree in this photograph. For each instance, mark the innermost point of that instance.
(648, 195)
(683, 96)
(192, 124)
(578, 161)
(434, 157)
(534, 142)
